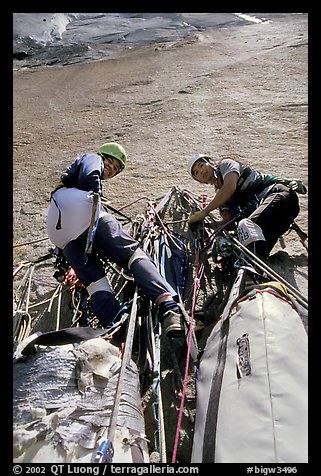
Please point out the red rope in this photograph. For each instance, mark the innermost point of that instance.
(198, 274)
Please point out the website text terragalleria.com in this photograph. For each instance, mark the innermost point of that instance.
(58, 469)
(154, 469)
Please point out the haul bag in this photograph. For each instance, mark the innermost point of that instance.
(252, 382)
(63, 402)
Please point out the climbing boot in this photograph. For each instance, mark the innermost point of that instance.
(173, 324)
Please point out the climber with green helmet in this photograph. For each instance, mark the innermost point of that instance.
(76, 214)
(115, 154)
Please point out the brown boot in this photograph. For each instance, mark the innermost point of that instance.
(174, 324)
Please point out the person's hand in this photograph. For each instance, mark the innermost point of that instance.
(226, 215)
(197, 216)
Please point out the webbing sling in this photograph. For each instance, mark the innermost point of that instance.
(93, 224)
(216, 385)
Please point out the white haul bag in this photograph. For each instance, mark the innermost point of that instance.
(64, 404)
(252, 384)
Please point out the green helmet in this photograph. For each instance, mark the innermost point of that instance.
(112, 149)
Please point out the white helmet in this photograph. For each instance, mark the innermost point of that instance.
(194, 159)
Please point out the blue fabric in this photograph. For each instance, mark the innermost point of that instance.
(174, 262)
(112, 242)
(90, 269)
(105, 306)
(168, 306)
(85, 173)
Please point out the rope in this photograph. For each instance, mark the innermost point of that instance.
(262, 265)
(21, 325)
(270, 272)
(48, 300)
(55, 294)
(105, 451)
(30, 242)
(58, 310)
(19, 266)
(159, 435)
(189, 344)
(131, 203)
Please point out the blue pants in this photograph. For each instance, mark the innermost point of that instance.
(113, 243)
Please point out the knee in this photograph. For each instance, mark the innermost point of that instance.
(101, 284)
(248, 231)
(138, 254)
